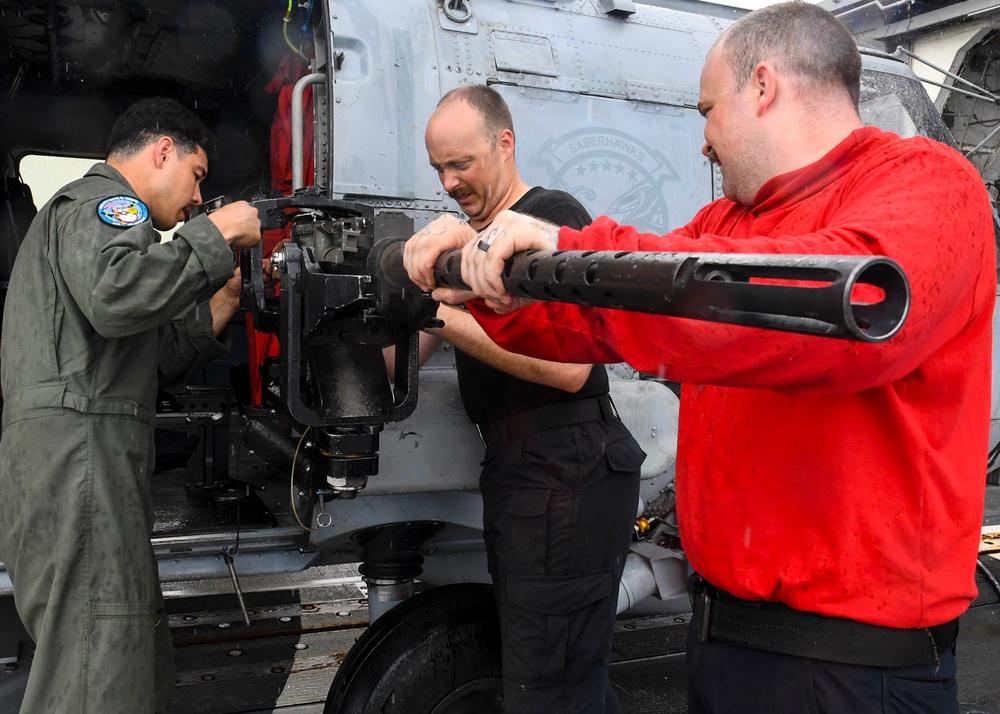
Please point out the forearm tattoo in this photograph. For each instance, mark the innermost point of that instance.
(548, 230)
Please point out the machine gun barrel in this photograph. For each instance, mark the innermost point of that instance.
(862, 298)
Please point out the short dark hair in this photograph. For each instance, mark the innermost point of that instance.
(799, 38)
(149, 119)
(490, 105)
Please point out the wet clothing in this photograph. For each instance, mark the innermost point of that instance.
(560, 485)
(90, 329)
(835, 477)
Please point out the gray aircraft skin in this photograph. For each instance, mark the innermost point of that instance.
(604, 99)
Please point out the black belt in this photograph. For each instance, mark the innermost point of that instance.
(773, 627)
(518, 426)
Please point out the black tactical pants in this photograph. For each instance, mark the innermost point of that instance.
(558, 512)
(725, 678)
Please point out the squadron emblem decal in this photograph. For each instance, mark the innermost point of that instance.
(612, 172)
(122, 211)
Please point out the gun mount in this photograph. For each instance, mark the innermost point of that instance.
(333, 317)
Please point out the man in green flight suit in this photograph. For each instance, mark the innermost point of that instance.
(91, 326)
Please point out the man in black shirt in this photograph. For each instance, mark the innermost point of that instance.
(560, 478)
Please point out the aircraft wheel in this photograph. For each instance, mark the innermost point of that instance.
(438, 652)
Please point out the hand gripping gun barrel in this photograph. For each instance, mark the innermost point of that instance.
(344, 296)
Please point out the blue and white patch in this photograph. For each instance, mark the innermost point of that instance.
(123, 211)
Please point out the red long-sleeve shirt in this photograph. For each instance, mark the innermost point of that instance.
(836, 477)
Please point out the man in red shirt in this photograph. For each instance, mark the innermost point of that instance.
(829, 493)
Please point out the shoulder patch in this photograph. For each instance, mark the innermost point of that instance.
(122, 211)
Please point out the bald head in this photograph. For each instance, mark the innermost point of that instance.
(488, 104)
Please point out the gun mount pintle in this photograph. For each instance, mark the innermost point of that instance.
(333, 317)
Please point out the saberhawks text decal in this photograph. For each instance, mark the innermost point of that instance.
(612, 173)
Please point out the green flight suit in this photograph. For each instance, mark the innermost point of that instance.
(90, 328)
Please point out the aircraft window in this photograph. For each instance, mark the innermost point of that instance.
(901, 105)
(888, 112)
(47, 174)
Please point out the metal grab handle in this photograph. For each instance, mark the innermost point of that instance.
(807, 294)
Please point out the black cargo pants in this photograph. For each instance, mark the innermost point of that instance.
(724, 678)
(558, 510)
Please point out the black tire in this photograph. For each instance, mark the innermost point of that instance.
(436, 653)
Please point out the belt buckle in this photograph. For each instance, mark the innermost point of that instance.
(706, 613)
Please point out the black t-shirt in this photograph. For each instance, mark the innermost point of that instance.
(490, 394)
